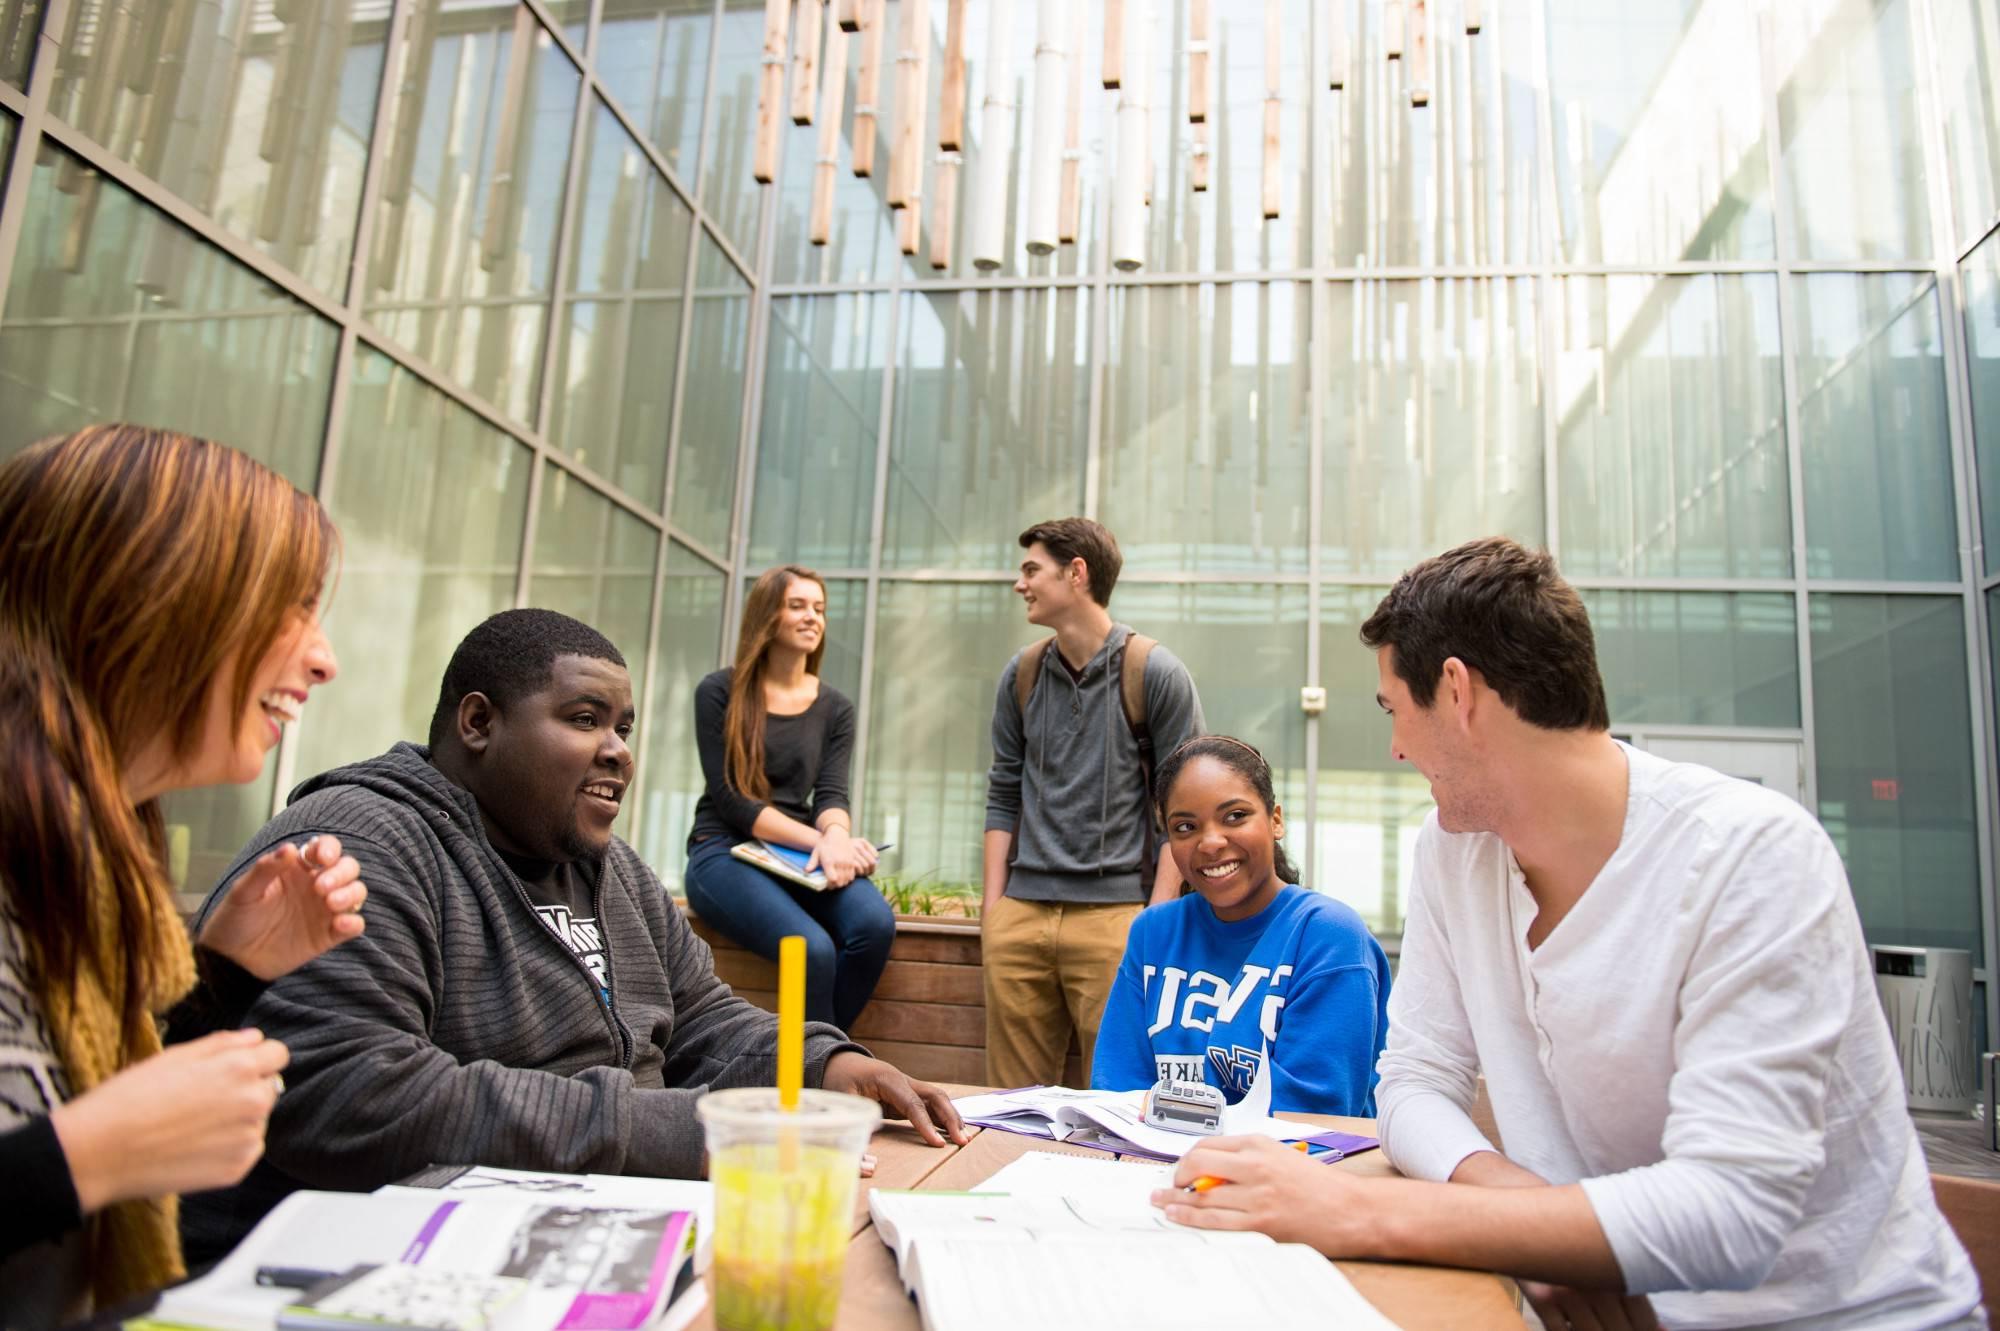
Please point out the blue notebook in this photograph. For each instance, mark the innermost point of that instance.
(786, 862)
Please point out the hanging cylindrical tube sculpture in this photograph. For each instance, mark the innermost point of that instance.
(868, 87)
(771, 89)
(996, 141)
(1045, 146)
(951, 92)
(1114, 42)
(1128, 203)
(944, 206)
(805, 62)
(912, 109)
(833, 98)
(1336, 75)
(1198, 48)
(1070, 211)
(1274, 68)
(1420, 54)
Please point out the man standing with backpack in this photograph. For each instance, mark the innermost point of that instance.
(1072, 851)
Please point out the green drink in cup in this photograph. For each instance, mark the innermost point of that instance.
(784, 1203)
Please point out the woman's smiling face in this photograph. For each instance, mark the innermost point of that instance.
(1223, 838)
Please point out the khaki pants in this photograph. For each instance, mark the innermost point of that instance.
(1048, 967)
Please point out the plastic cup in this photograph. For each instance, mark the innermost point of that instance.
(784, 1204)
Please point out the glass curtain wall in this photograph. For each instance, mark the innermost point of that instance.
(1703, 295)
(1700, 295)
(459, 266)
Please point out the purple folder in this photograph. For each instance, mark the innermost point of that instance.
(1331, 1146)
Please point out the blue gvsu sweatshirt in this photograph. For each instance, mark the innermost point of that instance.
(1201, 998)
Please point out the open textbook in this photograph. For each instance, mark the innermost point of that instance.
(1059, 1240)
(1113, 1121)
(595, 1253)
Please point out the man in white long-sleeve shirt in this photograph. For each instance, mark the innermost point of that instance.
(1661, 973)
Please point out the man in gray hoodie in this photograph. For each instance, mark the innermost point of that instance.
(528, 995)
(1071, 851)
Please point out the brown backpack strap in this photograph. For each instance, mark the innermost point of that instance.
(1132, 687)
(1030, 670)
(1132, 692)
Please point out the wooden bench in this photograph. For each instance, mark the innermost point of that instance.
(928, 1016)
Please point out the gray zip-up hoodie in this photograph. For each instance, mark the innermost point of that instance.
(460, 1029)
(1065, 777)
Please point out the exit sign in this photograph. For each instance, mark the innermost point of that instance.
(1886, 789)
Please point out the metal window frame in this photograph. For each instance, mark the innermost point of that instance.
(36, 124)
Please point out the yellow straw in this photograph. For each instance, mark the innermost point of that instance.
(791, 1020)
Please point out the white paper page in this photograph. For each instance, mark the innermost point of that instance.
(1030, 1111)
(1003, 1283)
(543, 1187)
(906, 1218)
(1121, 1117)
(1049, 1174)
(326, 1231)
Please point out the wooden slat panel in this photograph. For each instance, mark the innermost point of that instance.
(933, 1062)
(958, 949)
(930, 1023)
(847, 15)
(742, 970)
(928, 982)
(954, 949)
(902, 981)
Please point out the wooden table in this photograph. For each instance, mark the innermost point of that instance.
(1416, 1298)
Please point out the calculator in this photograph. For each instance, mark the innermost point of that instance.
(1192, 1107)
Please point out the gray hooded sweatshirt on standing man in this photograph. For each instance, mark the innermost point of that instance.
(1065, 777)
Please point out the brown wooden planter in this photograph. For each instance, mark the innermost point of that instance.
(928, 1016)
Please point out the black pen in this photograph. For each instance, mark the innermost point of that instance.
(291, 1277)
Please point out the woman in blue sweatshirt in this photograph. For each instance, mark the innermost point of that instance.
(1251, 966)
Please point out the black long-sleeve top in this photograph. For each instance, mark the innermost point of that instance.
(805, 759)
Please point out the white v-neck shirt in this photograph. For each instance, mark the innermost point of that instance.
(1698, 1043)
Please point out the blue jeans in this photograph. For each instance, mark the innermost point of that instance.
(848, 930)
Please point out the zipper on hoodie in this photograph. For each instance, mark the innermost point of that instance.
(618, 1027)
(620, 1041)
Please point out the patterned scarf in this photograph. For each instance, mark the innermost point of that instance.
(131, 1247)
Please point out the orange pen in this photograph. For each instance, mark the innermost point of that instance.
(1207, 1181)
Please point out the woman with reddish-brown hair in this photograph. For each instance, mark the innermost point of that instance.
(775, 742)
(158, 626)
